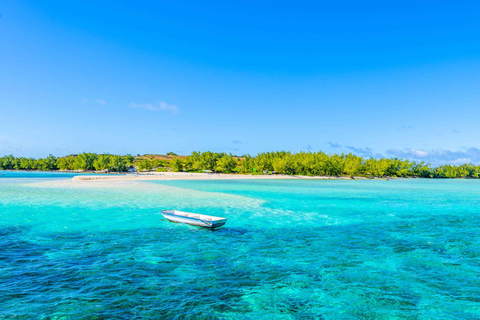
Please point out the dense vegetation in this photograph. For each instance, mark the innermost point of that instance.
(303, 163)
(83, 162)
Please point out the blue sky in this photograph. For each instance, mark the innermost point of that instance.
(122, 77)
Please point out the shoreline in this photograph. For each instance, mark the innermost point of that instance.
(67, 171)
(158, 176)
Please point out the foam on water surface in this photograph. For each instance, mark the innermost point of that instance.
(290, 249)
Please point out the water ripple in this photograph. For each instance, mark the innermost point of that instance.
(277, 258)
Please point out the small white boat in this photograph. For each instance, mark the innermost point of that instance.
(194, 219)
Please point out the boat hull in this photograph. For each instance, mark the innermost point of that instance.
(195, 220)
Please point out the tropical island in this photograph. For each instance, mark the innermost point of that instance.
(284, 163)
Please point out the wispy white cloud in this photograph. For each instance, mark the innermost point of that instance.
(160, 106)
(438, 156)
(334, 145)
(100, 101)
(364, 152)
(408, 153)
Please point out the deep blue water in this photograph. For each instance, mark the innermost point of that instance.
(291, 249)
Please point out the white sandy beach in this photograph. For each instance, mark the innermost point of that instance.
(152, 176)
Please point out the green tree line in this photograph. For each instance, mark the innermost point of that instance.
(302, 163)
(84, 162)
(319, 164)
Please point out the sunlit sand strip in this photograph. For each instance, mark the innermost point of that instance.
(193, 176)
(140, 194)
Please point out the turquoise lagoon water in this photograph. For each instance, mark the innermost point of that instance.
(291, 249)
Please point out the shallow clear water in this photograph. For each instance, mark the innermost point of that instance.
(42, 174)
(290, 249)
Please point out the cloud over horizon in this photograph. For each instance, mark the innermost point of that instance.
(160, 106)
(364, 152)
(99, 101)
(334, 144)
(438, 156)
